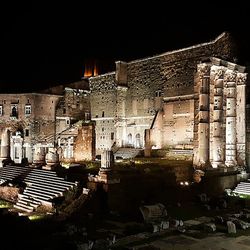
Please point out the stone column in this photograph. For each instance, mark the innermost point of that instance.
(106, 173)
(122, 87)
(230, 89)
(203, 120)
(5, 145)
(107, 159)
(28, 149)
(148, 144)
(241, 118)
(120, 114)
(218, 142)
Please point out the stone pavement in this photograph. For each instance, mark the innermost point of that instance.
(183, 242)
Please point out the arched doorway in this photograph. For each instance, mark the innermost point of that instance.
(129, 139)
(137, 141)
(16, 146)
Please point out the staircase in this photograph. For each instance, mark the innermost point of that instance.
(243, 187)
(127, 153)
(41, 185)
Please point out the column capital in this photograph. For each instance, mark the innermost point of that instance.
(241, 78)
(203, 69)
(217, 72)
(230, 76)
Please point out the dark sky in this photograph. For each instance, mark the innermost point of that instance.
(47, 44)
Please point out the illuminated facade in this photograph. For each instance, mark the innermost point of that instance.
(193, 98)
(31, 124)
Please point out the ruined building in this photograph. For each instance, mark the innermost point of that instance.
(31, 124)
(193, 98)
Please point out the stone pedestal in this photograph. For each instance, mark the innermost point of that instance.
(39, 156)
(106, 173)
(107, 176)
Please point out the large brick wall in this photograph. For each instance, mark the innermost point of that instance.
(84, 146)
(103, 95)
(173, 72)
(103, 109)
(40, 122)
(147, 82)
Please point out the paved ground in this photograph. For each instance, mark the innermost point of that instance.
(184, 242)
(188, 243)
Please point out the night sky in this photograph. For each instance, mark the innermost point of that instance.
(45, 45)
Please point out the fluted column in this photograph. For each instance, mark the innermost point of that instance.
(218, 142)
(241, 118)
(121, 113)
(230, 85)
(107, 159)
(203, 122)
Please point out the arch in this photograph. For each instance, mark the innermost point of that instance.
(138, 140)
(14, 111)
(129, 139)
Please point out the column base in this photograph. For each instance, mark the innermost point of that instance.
(230, 164)
(217, 164)
(106, 176)
(5, 161)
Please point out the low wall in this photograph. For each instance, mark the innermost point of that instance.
(215, 184)
(173, 154)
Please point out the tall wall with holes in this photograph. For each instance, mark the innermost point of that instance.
(156, 96)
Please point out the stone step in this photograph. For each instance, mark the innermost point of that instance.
(24, 208)
(44, 190)
(48, 186)
(27, 204)
(243, 186)
(24, 198)
(38, 194)
(55, 182)
(36, 176)
(31, 169)
(42, 185)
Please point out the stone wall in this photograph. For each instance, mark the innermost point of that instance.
(103, 95)
(75, 104)
(84, 146)
(103, 109)
(39, 119)
(135, 93)
(178, 120)
(173, 72)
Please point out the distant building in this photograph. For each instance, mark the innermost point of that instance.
(36, 122)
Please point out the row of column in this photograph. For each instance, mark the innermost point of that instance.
(221, 126)
(39, 156)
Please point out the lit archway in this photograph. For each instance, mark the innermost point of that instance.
(137, 141)
(130, 139)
